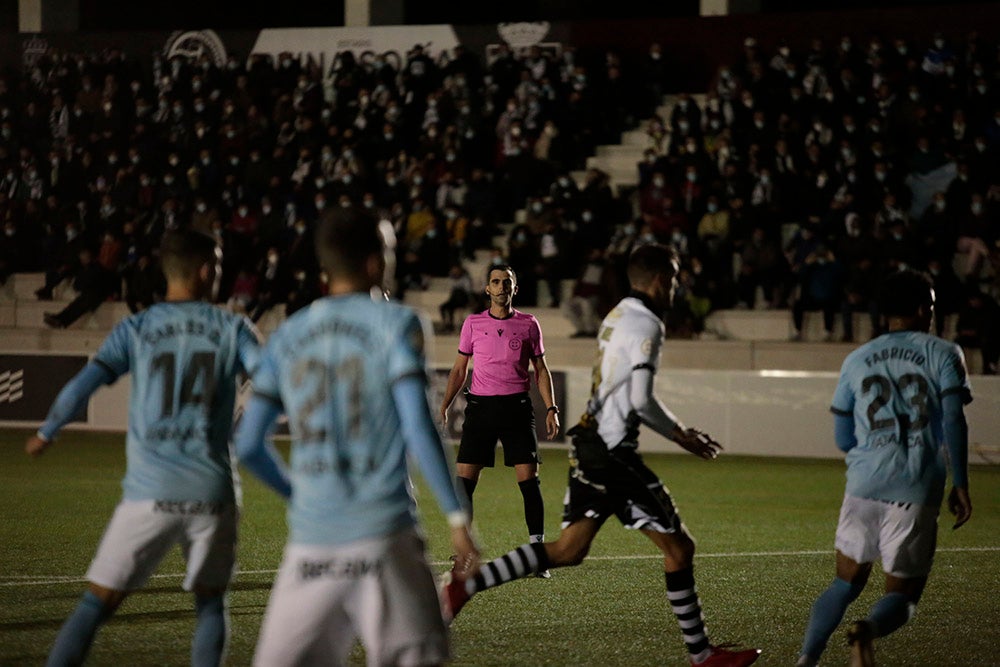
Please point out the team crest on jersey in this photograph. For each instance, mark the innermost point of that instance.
(647, 346)
(515, 344)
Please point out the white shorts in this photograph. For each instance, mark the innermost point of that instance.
(141, 532)
(903, 534)
(380, 589)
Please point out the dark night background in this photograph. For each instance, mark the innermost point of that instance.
(102, 15)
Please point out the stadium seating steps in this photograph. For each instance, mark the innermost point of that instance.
(734, 339)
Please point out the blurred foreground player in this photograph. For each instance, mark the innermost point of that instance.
(349, 372)
(899, 414)
(608, 476)
(184, 355)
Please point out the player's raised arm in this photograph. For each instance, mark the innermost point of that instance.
(255, 448)
(424, 445)
(71, 399)
(658, 417)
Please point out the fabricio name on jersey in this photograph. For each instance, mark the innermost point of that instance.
(189, 328)
(902, 353)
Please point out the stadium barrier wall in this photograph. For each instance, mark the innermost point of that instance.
(760, 413)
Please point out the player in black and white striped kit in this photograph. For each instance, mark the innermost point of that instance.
(611, 479)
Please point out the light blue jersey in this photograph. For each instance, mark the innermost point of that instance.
(332, 367)
(184, 358)
(893, 387)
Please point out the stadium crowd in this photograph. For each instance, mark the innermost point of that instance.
(804, 176)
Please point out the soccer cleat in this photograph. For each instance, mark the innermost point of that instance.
(452, 595)
(544, 574)
(860, 638)
(722, 657)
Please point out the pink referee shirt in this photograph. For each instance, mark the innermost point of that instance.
(501, 351)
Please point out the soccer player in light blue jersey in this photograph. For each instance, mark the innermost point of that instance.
(899, 415)
(180, 484)
(349, 372)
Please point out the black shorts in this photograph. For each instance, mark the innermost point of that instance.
(509, 419)
(625, 488)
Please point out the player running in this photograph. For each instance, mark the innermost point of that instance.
(180, 480)
(611, 479)
(350, 374)
(899, 415)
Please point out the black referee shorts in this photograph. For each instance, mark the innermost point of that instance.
(509, 419)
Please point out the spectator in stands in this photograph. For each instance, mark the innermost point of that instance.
(979, 327)
(588, 303)
(762, 266)
(91, 282)
(459, 296)
(144, 284)
(62, 253)
(820, 281)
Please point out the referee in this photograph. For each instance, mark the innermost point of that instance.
(501, 342)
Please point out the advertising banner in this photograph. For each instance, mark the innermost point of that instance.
(29, 384)
(320, 45)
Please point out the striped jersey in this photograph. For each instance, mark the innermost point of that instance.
(184, 358)
(893, 387)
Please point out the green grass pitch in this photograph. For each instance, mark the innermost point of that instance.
(764, 529)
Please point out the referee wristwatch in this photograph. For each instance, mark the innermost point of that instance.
(552, 408)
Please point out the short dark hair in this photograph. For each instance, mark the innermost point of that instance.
(904, 293)
(345, 239)
(650, 260)
(500, 267)
(184, 251)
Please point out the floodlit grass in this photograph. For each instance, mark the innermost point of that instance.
(764, 529)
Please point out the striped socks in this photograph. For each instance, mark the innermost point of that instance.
(683, 597)
(523, 561)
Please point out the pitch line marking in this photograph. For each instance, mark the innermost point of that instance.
(35, 580)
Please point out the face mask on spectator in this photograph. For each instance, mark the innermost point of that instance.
(112, 159)
(537, 207)
(168, 179)
(347, 178)
(201, 206)
(586, 216)
(418, 180)
(914, 95)
(976, 208)
(300, 229)
(369, 203)
(712, 207)
(450, 157)
(940, 204)
(9, 231)
(71, 234)
(879, 176)
(981, 89)
(684, 126)
(320, 204)
(658, 182)
(243, 210)
(272, 258)
(691, 176)
(764, 179)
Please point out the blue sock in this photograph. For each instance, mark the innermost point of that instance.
(890, 613)
(211, 632)
(77, 633)
(827, 612)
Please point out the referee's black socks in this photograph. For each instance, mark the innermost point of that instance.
(469, 486)
(534, 508)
